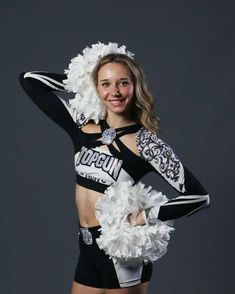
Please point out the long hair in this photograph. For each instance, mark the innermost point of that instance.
(143, 102)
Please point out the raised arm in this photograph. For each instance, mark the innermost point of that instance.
(164, 161)
(41, 87)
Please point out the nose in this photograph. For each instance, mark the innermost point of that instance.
(115, 92)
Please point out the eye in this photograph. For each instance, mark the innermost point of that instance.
(105, 84)
(124, 83)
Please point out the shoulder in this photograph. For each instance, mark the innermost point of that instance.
(145, 134)
(90, 127)
(152, 147)
(147, 141)
(79, 118)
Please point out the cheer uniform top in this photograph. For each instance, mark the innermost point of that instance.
(97, 168)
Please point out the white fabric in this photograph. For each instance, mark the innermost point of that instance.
(153, 215)
(100, 165)
(44, 79)
(128, 276)
(162, 157)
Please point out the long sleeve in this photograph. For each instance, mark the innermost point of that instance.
(41, 87)
(163, 160)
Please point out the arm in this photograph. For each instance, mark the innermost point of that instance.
(163, 161)
(41, 88)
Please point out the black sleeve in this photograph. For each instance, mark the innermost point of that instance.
(191, 200)
(164, 161)
(41, 88)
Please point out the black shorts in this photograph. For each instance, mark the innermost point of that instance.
(96, 269)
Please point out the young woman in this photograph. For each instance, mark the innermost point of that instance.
(117, 143)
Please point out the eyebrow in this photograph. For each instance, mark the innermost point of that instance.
(122, 79)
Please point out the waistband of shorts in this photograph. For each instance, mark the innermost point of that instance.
(91, 229)
(95, 231)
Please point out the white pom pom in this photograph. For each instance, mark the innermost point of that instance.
(119, 239)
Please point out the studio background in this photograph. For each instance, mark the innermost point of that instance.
(187, 51)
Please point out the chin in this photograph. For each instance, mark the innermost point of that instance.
(119, 109)
(122, 112)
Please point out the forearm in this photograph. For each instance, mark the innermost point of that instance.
(41, 87)
(44, 80)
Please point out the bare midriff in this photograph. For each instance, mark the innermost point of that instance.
(85, 200)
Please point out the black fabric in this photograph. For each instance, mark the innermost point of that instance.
(86, 183)
(46, 99)
(96, 269)
(133, 165)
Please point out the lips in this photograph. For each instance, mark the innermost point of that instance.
(116, 102)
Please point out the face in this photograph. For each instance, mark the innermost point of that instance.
(115, 88)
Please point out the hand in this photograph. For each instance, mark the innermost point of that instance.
(136, 219)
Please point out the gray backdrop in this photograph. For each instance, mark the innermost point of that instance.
(187, 51)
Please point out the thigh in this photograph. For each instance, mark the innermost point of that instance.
(83, 289)
(139, 289)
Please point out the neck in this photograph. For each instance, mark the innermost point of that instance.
(118, 121)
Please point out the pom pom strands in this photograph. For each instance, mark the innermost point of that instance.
(125, 243)
(86, 102)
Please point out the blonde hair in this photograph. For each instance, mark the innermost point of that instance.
(143, 99)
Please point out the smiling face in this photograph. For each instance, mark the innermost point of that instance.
(115, 88)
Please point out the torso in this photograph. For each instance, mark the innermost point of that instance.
(85, 198)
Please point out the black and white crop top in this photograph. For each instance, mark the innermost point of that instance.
(97, 168)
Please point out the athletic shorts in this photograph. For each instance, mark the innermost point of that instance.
(97, 269)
